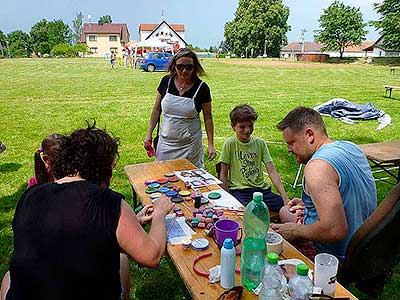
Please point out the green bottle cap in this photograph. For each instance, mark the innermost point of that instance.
(272, 258)
(257, 196)
(302, 269)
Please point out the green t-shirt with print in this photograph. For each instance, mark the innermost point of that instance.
(245, 162)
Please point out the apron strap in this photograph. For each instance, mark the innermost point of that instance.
(195, 94)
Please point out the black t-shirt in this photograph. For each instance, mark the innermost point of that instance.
(203, 96)
(65, 244)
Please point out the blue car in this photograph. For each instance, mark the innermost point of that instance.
(156, 61)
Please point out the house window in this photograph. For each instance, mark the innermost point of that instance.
(93, 38)
(114, 49)
(94, 50)
(113, 38)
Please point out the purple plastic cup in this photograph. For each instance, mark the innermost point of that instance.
(226, 228)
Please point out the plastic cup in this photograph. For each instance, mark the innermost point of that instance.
(325, 269)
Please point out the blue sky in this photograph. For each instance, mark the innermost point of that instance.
(204, 20)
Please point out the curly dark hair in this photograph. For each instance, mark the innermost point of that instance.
(90, 153)
(186, 52)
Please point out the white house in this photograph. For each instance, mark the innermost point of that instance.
(173, 34)
(378, 50)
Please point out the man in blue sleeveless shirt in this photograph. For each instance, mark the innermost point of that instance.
(339, 191)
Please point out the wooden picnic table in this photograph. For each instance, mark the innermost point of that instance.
(384, 156)
(197, 285)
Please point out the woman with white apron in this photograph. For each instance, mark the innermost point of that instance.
(180, 98)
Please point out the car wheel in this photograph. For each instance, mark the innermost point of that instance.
(151, 68)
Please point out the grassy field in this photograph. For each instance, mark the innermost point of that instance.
(39, 97)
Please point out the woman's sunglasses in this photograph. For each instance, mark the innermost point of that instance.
(188, 67)
(233, 294)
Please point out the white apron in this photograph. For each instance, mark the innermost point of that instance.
(180, 135)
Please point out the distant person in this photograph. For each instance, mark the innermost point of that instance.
(181, 96)
(113, 57)
(242, 160)
(339, 190)
(2, 147)
(44, 157)
(125, 56)
(68, 234)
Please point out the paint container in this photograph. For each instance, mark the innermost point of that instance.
(186, 244)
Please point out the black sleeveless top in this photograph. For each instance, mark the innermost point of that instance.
(65, 244)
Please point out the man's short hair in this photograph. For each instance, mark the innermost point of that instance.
(243, 113)
(302, 117)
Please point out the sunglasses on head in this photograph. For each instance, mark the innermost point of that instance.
(188, 67)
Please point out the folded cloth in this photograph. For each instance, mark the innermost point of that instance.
(347, 112)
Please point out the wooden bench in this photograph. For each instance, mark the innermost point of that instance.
(390, 88)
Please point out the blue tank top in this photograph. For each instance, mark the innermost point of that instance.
(356, 186)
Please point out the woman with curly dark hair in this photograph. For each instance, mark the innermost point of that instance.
(68, 234)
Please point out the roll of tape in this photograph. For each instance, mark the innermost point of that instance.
(274, 242)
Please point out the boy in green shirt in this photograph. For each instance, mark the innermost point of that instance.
(242, 160)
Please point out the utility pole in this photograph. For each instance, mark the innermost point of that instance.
(301, 41)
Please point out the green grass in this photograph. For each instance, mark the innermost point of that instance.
(43, 96)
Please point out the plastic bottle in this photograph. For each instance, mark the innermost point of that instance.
(300, 285)
(228, 264)
(273, 281)
(197, 198)
(256, 224)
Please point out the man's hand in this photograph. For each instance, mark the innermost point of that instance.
(295, 204)
(287, 230)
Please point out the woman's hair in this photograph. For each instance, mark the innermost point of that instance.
(186, 52)
(90, 153)
(50, 145)
(243, 113)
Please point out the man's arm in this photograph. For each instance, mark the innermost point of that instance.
(323, 187)
(276, 180)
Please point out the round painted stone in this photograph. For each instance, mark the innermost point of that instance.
(204, 200)
(169, 175)
(150, 190)
(162, 181)
(200, 244)
(184, 193)
(169, 185)
(163, 189)
(155, 195)
(214, 195)
(173, 179)
(177, 199)
(148, 181)
(171, 193)
(177, 208)
(153, 185)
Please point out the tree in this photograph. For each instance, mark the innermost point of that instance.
(19, 44)
(40, 37)
(105, 20)
(77, 27)
(389, 23)
(3, 43)
(59, 33)
(341, 26)
(260, 25)
(46, 35)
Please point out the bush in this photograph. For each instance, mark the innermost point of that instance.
(386, 61)
(62, 50)
(80, 50)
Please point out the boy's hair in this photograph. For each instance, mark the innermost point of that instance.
(50, 145)
(88, 152)
(300, 118)
(243, 113)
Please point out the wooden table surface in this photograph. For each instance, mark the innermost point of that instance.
(386, 152)
(198, 286)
